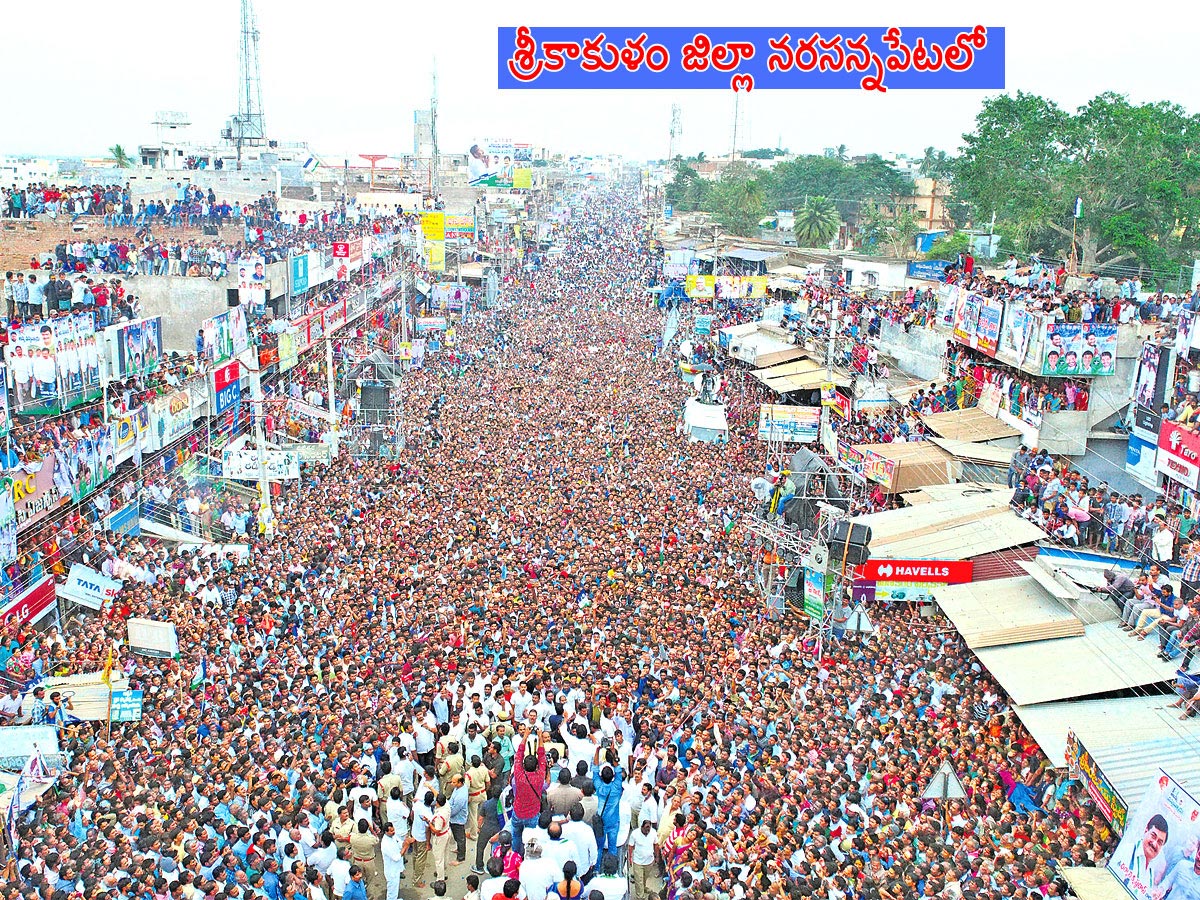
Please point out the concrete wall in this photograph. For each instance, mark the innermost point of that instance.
(148, 184)
(186, 302)
(919, 352)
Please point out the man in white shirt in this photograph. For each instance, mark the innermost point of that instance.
(10, 706)
(583, 838)
(559, 849)
(641, 858)
(538, 874)
(609, 883)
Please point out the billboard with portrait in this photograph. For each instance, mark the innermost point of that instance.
(491, 162)
(252, 281)
(138, 347)
(1073, 348)
(54, 365)
(1158, 854)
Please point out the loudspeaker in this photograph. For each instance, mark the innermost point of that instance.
(376, 438)
(850, 543)
(374, 403)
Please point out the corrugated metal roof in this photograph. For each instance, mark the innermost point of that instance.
(749, 255)
(976, 452)
(1130, 738)
(1003, 563)
(1008, 611)
(971, 424)
(1102, 659)
(957, 528)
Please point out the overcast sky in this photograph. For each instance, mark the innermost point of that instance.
(346, 76)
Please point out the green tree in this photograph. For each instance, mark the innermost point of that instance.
(817, 223)
(737, 200)
(888, 230)
(120, 157)
(763, 153)
(949, 246)
(848, 185)
(687, 190)
(1136, 168)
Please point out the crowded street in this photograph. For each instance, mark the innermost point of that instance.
(525, 658)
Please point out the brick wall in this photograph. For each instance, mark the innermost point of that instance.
(22, 238)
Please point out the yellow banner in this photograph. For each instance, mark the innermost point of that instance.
(435, 254)
(433, 226)
(522, 178)
(726, 287)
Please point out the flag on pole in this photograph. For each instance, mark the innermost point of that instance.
(201, 674)
(1078, 208)
(108, 667)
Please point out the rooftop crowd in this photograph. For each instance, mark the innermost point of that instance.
(544, 600)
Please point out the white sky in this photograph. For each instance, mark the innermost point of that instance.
(346, 76)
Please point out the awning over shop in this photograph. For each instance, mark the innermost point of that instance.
(917, 464)
(1005, 611)
(767, 360)
(985, 454)
(472, 271)
(1096, 662)
(931, 493)
(951, 529)
(971, 424)
(799, 366)
(801, 381)
(1117, 733)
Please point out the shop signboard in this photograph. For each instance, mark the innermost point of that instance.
(1178, 455)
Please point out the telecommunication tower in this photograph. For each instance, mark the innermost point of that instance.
(247, 126)
(676, 131)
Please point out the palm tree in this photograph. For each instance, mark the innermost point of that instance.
(120, 157)
(840, 153)
(936, 166)
(817, 223)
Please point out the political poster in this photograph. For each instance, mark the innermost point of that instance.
(126, 706)
(138, 347)
(435, 255)
(1074, 348)
(460, 227)
(450, 296)
(790, 424)
(8, 525)
(87, 462)
(300, 273)
(1158, 852)
(433, 226)
(492, 161)
(252, 281)
(814, 593)
(170, 419)
(987, 328)
(1099, 788)
(966, 317)
(250, 465)
(54, 365)
(678, 263)
(1099, 353)
(1018, 325)
(928, 269)
(5, 417)
(703, 325)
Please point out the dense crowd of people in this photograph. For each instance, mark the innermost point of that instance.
(532, 647)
